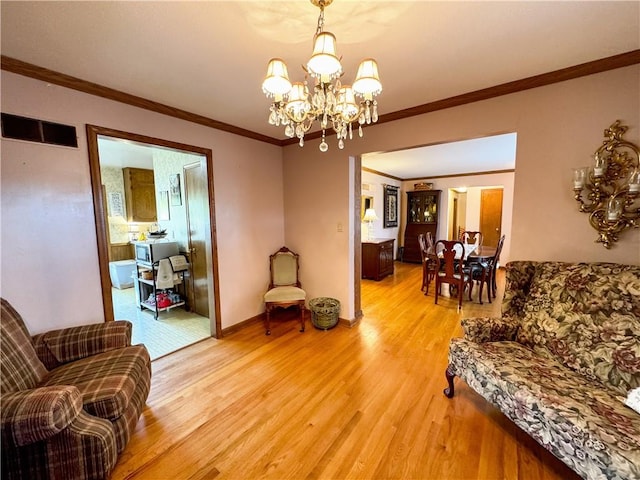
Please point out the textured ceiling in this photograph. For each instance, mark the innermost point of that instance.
(209, 58)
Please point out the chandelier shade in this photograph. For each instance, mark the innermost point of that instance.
(367, 82)
(347, 105)
(296, 106)
(276, 83)
(324, 63)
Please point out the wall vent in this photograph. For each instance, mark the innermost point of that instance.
(32, 130)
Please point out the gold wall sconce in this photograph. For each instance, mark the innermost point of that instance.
(611, 185)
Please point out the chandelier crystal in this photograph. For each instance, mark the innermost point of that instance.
(330, 103)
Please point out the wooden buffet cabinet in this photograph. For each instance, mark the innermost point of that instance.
(422, 217)
(377, 258)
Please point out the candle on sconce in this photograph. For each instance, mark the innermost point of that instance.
(614, 209)
(600, 165)
(634, 182)
(579, 175)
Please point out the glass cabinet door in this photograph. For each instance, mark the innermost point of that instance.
(423, 208)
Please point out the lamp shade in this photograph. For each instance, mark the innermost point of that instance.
(367, 83)
(370, 215)
(347, 105)
(276, 83)
(323, 61)
(297, 106)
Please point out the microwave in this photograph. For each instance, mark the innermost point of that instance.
(150, 252)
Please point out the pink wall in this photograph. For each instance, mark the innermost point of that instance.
(49, 253)
(559, 126)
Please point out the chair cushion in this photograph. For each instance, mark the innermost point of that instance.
(107, 381)
(285, 294)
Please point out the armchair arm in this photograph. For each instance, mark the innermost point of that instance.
(29, 416)
(66, 345)
(488, 329)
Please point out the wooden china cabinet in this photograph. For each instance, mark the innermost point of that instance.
(422, 217)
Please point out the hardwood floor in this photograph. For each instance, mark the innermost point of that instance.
(363, 402)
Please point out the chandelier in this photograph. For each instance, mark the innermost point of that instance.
(332, 104)
(612, 186)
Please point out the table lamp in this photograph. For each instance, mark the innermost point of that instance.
(370, 216)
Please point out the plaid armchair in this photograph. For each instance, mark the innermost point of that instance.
(70, 398)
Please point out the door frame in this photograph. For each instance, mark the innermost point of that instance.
(93, 131)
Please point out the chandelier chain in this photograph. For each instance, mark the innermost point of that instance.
(320, 26)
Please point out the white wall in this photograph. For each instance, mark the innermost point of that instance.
(49, 253)
(558, 126)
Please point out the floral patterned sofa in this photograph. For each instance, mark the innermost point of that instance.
(562, 360)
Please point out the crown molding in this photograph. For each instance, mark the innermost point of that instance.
(564, 74)
(44, 74)
(596, 66)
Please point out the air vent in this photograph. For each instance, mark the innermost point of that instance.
(32, 130)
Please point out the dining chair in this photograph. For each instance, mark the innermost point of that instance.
(430, 262)
(485, 272)
(284, 288)
(471, 238)
(452, 271)
(422, 243)
(496, 265)
(433, 263)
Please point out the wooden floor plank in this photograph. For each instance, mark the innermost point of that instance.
(349, 403)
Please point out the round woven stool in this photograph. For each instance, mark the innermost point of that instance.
(324, 312)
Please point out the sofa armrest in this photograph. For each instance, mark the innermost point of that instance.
(58, 347)
(489, 329)
(29, 416)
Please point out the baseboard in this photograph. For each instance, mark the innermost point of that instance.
(240, 325)
(260, 318)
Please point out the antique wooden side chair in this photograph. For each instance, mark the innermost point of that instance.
(284, 289)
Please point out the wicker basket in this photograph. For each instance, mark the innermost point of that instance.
(324, 312)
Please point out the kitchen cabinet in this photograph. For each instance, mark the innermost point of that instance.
(140, 194)
(377, 258)
(422, 217)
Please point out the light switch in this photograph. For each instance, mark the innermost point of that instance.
(339, 226)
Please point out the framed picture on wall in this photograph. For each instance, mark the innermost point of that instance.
(390, 206)
(116, 205)
(174, 190)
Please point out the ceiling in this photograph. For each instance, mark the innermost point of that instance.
(209, 58)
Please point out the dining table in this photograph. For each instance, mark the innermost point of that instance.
(480, 254)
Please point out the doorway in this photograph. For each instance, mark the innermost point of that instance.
(164, 202)
(491, 215)
(195, 188)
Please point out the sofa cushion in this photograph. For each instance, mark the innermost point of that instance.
(579, 421)
(107, 381)
(21, 367)
(586, 316)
